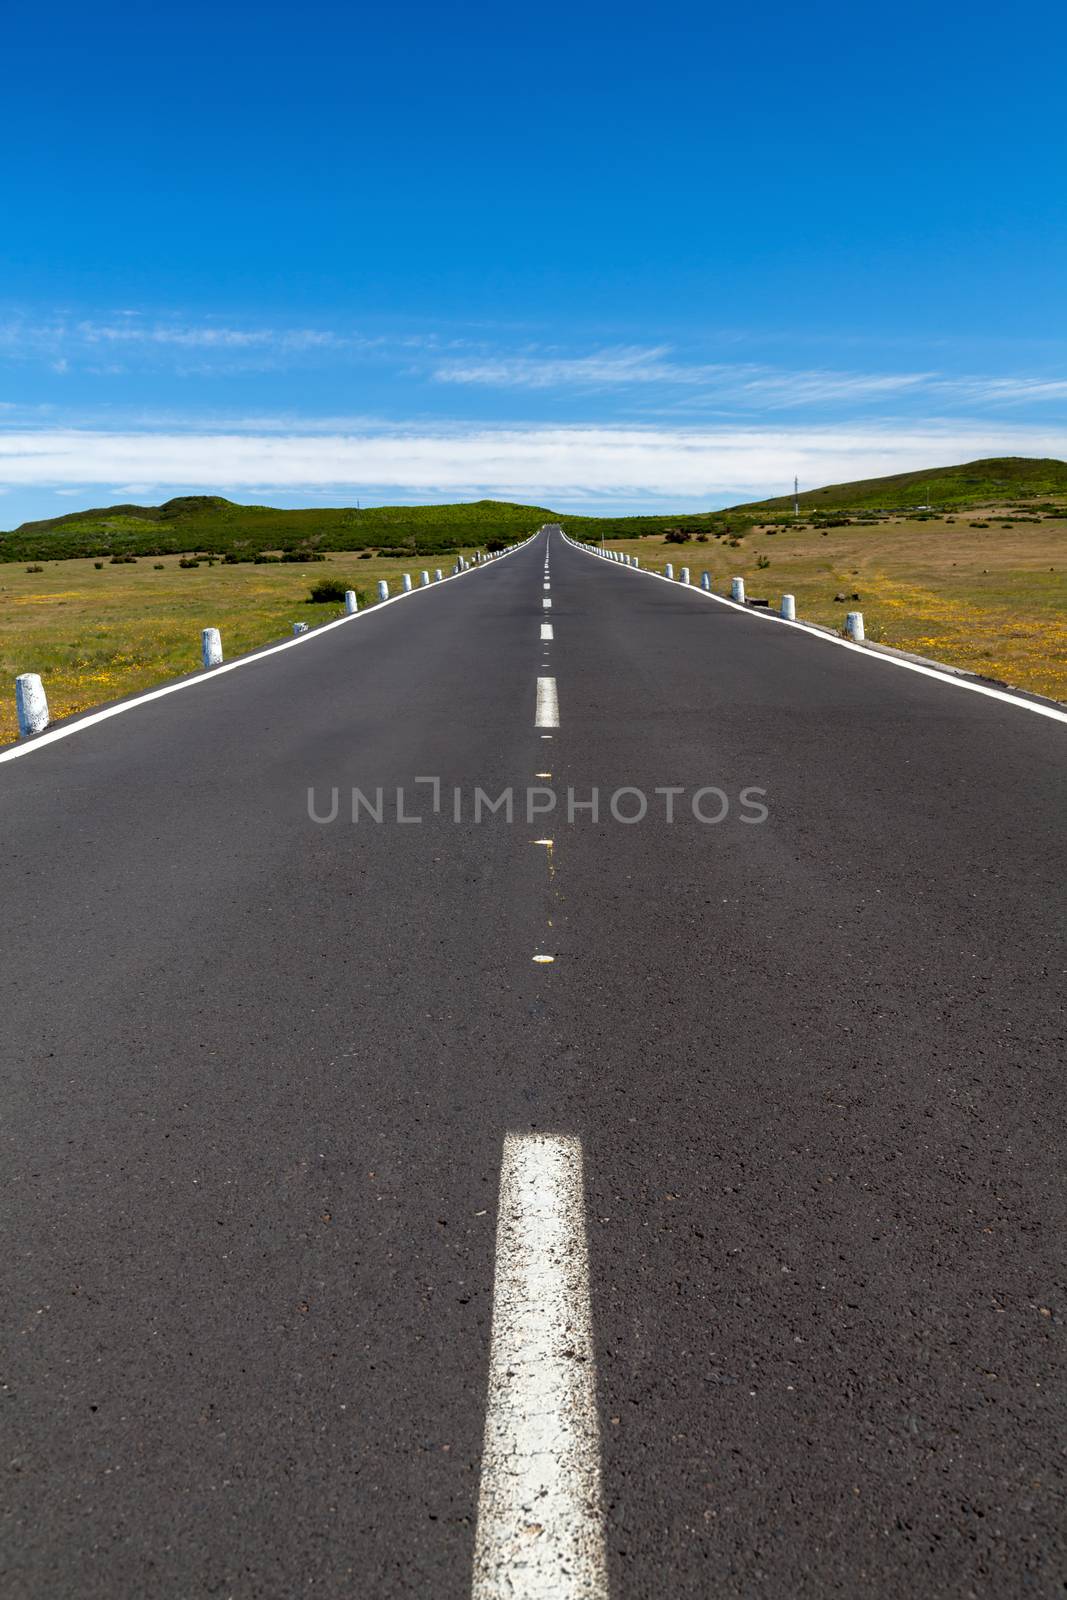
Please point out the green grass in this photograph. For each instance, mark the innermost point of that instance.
(1000, 480)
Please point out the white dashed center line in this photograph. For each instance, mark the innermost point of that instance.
(546, 602)
(540, 1516)
(547, 715)
(546, 630)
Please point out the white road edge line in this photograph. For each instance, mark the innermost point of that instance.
(540, 1533)
(1010, 699)
(546, 630)
(209, 676)
(547, 715)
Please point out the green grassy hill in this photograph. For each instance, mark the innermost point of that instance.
(211, 525)
(1000, 480)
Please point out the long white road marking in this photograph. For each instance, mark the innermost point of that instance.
(546, 630)
(547, 715)
(546, 602)
(540, 1515)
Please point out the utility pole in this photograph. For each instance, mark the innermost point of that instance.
(796, 497)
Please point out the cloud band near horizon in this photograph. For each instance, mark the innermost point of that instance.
(625, 465)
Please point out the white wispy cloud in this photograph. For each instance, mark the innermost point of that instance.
(747, 385)
(651, 379)
(560, 465)
(65, 339)
(744, 383)
(1002, 391)
(207, 336)
(602, 369)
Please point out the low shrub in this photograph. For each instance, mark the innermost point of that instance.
(675, 536)
(34, 569)
(188, 561)
(302, 555)
(118, 561)
(267, 561)
(99, 565)
(158, 566)
(492, 545)
(331, 589)
(763, 561)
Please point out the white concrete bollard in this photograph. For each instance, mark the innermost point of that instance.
(31, 704)
(737, 589)
(351, 603)
(636, 562)
(405, 583)
(788, 608)
(705, 581)
(211, 647)
(383, 589)
(424, 580)
(438, 575)
(683, 576)
(300, 627)
(854, 626)
(669, 570)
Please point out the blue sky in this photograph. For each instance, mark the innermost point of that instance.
(588, 255)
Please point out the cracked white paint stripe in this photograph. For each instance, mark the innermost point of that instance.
(540, 1514)
(547, 714)
(546, 630)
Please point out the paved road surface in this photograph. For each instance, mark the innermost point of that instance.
(778, 1130)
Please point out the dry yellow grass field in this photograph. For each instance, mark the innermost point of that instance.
(95, 636)
(992, 600)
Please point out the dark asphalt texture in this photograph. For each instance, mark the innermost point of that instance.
(257, 1072)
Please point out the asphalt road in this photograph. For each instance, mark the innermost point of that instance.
(258, 1072)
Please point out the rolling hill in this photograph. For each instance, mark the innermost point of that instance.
(999, 480)
(212, 525)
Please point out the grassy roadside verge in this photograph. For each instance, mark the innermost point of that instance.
(96, 635)
(992, 600)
